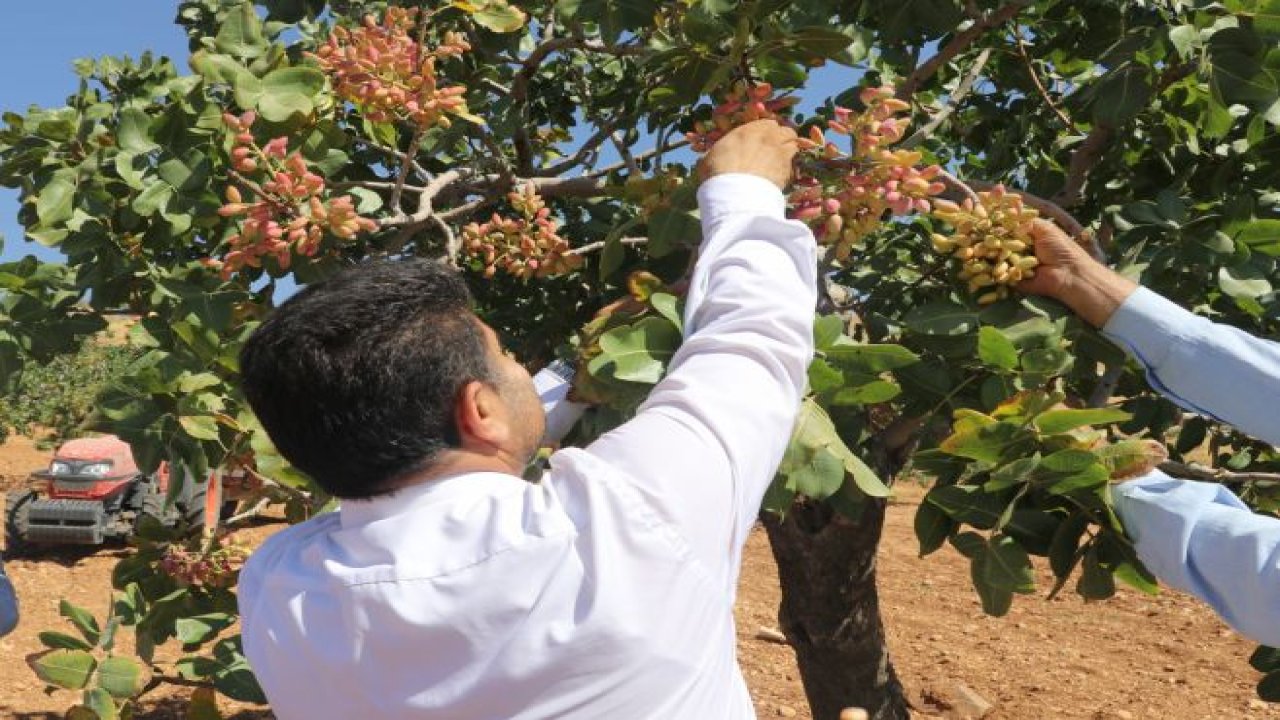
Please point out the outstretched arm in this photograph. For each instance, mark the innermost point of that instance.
(707, 442)
(1215, 370)
(1197, 537)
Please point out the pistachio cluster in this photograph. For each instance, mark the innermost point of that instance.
(286, 212)
(991, 239)
(382, 69)
(525, 247)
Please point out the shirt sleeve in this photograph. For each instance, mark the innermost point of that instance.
(706, 443)
(1200, 538)
(1215, 370)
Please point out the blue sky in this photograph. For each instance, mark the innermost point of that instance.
(39, 40)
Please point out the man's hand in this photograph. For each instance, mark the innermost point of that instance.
(762, 148)
(1067, 273)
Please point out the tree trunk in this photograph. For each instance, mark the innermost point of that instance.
(830, 609)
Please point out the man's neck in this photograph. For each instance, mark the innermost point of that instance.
(461, 462)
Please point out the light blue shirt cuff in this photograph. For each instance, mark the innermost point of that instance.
(1200, 538)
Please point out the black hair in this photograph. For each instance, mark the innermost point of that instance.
(355, 378)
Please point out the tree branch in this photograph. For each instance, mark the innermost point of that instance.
(601, 172)
(591, 145)
(405, 166)
(962, 90)
(1035, 78)
(596, 246)
(958, 44)
(1082, 161)
(1195, 471)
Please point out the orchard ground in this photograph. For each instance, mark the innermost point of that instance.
(1166, 657)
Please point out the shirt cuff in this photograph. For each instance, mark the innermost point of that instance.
(739, 194)
(1151, 326)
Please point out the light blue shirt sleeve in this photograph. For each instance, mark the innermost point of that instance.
(8, 604)
(1199, 537)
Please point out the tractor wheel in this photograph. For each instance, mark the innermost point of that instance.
(16, 509)
(151, 504)
(203, 509)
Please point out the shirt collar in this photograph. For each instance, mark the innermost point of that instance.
(354, 513)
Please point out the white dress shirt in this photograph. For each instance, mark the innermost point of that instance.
(604, 592)
(1195, 536)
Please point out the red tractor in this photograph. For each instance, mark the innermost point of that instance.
(93, 492)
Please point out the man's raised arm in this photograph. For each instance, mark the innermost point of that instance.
(708, 440)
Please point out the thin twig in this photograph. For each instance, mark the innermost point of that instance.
(249, 514)
(595, 246)
(1035, 78)
(601, 172)
(373, 185)
(627, 158)
(953, 102)
(591, 145)
(405, 166)
(958, 44)
(1195, 471)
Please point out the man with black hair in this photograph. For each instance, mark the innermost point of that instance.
(448, 587)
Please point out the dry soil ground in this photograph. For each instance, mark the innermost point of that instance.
(1131, 657)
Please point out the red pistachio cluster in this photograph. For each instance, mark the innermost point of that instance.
(844, 196)
(382, 69)
(524, 247)
(745, 104)
(217, 568)
(286, 212)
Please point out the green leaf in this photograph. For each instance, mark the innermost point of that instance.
(1052, 422)
(876, 391)
(639, 352)
(941, 318)
(968, 504)
(932, 527)
(823, 378)
(1269, 687)
(54, 201)
(300, 79)
(282, 107)
(198, 629)
(1093, 476)
(1265, 659)
(1132, 458)
(995, 349)
(241, 33)
(670, 229)
(123, 677)
(871, 358)
(134, 131)
(1013, 474)
(53, 639)
(996, 601)
(815, 473)
(1137, 577)
(69, 669)
(989, 443)
(496, 15)
(201, 427)
(150, 200)
(82, 619)
(1008, 567)
(1096, 582)
(1243, 282)
(827, 329)
(1260, 235)
(668, 306)
(1121, 95)
(1066, 541)
(100, 703)
(814, 433)
(1071, 460)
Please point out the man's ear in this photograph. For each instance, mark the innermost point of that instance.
(479, 416)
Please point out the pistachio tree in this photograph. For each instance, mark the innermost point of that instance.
(546, 149)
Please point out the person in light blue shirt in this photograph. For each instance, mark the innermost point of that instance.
(1195, 536)
(8, 603)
